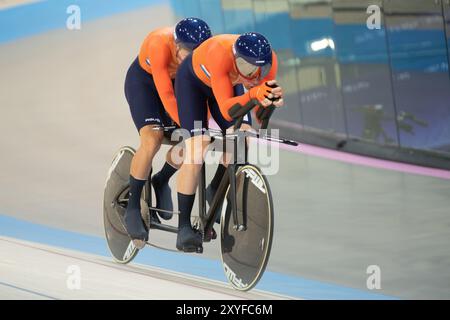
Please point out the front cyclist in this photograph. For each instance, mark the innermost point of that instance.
(213, 77)
(149, 90)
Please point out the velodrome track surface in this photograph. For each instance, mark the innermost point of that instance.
(48, 269)
(64, 115)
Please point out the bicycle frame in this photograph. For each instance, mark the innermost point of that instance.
(228, 180)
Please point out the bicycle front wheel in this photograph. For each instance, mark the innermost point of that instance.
(245, 253)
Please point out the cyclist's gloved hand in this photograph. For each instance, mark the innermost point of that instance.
(264, 92)
(277, 99)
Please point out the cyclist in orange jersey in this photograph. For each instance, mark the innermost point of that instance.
(149, 90)
(212, 79)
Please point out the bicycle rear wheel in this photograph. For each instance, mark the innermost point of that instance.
(115, 202)
(245, 253)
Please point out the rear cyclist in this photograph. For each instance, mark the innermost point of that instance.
(149, 90)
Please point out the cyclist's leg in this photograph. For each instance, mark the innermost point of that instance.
(150, 143)
(160, 181)
(144, 103)
(174, 156)
(192, 108)
(187, 181)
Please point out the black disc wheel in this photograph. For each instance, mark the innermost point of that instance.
(246, 243)
(115, 202)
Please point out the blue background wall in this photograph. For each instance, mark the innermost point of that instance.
(389, 86)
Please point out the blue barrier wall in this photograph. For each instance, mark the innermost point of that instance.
(388, 86)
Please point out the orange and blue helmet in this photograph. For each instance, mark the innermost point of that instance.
(191, 32)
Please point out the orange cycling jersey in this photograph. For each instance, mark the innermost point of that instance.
(158, 56)
(214, 64)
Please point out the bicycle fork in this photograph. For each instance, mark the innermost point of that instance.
(229, 180)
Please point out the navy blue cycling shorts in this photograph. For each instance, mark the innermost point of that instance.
(145, 105)
(194, 97)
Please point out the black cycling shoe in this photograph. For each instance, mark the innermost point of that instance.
(163, 197)
(210, 192)
(136, 227)
(188, 240)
